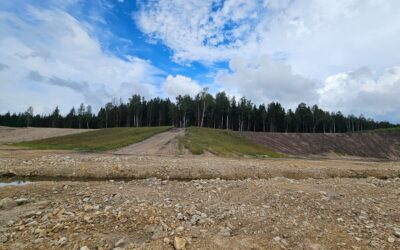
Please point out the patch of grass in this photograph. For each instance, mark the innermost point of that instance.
(222, 142)
(98, 140)
(386, 130)
(340, 154)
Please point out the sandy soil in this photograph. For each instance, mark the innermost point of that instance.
(12, 135)
(161, 144)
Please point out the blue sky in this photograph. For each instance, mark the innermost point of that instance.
(342, 55)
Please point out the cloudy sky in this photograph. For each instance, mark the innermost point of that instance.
(342, 55)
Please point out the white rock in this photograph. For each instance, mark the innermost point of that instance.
(225, 232)
(62, 241)
(180, 216)
(7, 203)
(179, 243)
(21, 201)
(277, 238)
(120, 243)
(195, 219)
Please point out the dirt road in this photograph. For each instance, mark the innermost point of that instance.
(165, 143)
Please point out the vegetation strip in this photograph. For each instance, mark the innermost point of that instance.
(99, 140)
(386, 130)
(222, 142)
(204, 110)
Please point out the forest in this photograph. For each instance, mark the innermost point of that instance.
(204, 110)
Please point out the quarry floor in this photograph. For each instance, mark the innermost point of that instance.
(106, 201)
(119, 201)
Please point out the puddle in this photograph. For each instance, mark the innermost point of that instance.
(14, 183)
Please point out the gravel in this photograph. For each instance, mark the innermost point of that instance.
(277, 213)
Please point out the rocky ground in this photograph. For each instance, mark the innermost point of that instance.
(278, 213)
(41, 164)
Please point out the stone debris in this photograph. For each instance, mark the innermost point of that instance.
(225, 232)
(21, 201)
(8, 203)
(179, 243)
(151, 213)
(62, 241)
(120, 243)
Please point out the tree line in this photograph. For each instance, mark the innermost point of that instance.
(204, 110)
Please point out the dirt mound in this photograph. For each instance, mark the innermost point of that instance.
(161, 144)
(12, 135)
(33, 164)
(373, 145)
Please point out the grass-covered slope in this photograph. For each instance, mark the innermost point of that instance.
(99, 140)
(386, 130)
(222, 142)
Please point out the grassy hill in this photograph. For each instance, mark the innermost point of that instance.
(99, 140)
(222, 142)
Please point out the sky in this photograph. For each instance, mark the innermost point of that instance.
(341, 55)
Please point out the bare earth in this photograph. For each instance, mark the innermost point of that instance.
(367, 145)
(134, 201)
(12, 135)
(161, 144)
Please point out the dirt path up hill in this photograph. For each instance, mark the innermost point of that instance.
(165, 143)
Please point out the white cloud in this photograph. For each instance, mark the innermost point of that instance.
(361, 92)
(199, 30)
(263, 81)
(278, 50)
(180, 85)
(317, 38)
(52, 57)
